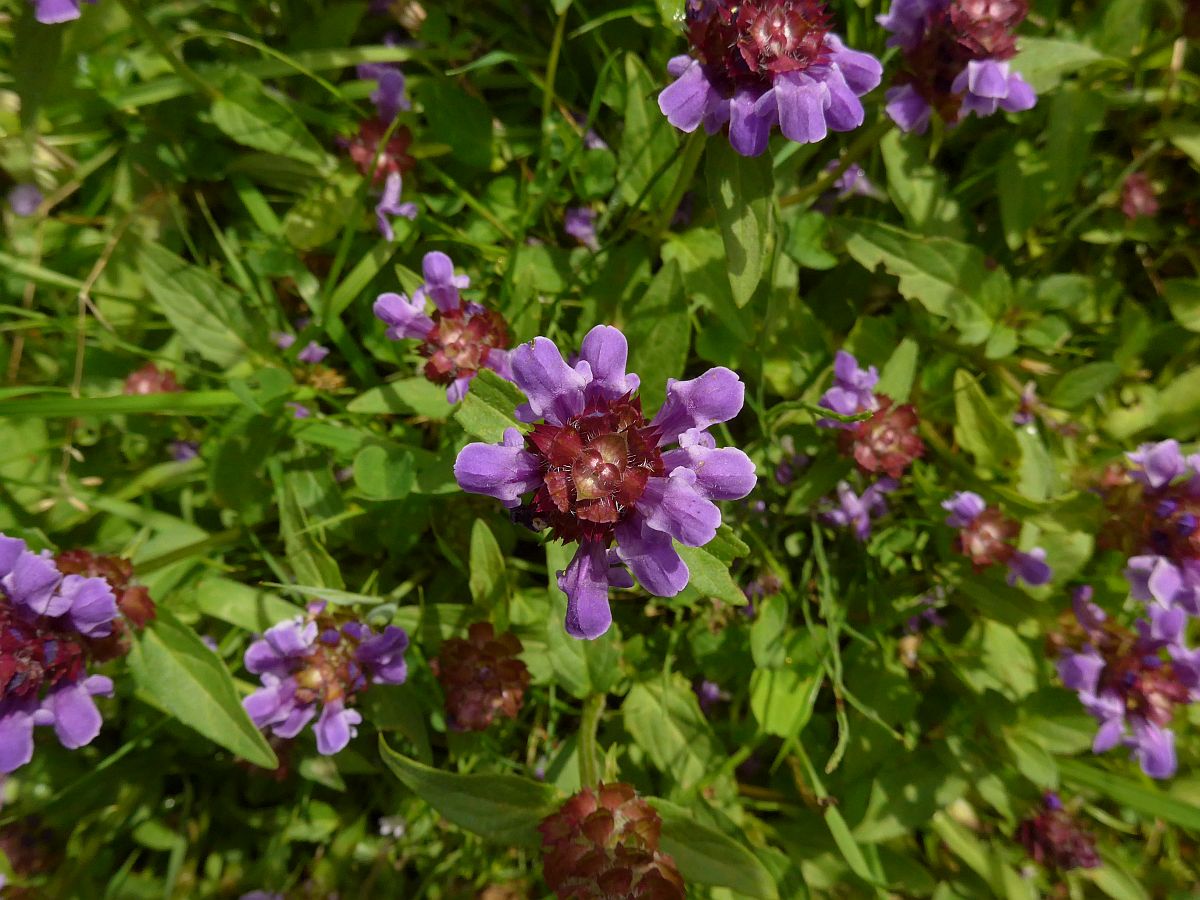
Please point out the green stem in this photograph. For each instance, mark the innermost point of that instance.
(552, 72)
(589, 749)
(182, 69)
(860, 148)
(693, 149)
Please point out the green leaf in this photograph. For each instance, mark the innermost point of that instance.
(947, 278)
(240, 604)
(979, 429)
(178, 674)
(1186, 137)
(899, 372)
(384, 472)
(1002, 879)
(488, 580)
(664, 718)
(710, 576)
(649, 145)
(323, 211)
(706, 856)
(458, 119)
(739, 190)
(918, 188)
(1044, 61)
(502, 808)
(487, 410)
(310, 561)
(1078, 386)
(408, 396)
(1183, 297)
(1140, 796)
(659, 330)
(254, 118)
(782, 699)
(36, 49)
(208, 315)
(701, 258)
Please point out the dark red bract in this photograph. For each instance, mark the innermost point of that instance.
(745, 44)
(150, 379)
(986, 541)
(35, 652)
(458, 345)
(887, 442)
(603, 845)
(481, 677)
(1053, 838)
(393, 158)
(596, 467)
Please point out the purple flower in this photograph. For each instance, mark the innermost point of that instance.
(1157, 580)
(580, 223)
(458, 339)
(853, 182)
(857, 512)
(53, 12)
(956, 60)
(928, 616)
(853, 389)
(182, 451)
(313, 353)
(47, 621)
(299, 410)
(709, 694)
(600, 474)
(282, 339)
(320, 661)
(24, 199)
(762, 63)
(1123, 682)
(389, 205)
(1157, 465)
(388, 96)
(1029, 404)
(986, 537)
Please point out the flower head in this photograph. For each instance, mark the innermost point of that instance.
(756, 64)
(580, 223)
(393, 156)
(150, 379)
(1125, 683)
(603, 843)
(481, 677)
(887, 442)
(312, 353)
(24, 199)
(1052, 837)
(599, 473)
(313, 666)
(857, 512)
(1138, 197)
(50, 623)
(956, 55)
(458, 339)
(986, 538)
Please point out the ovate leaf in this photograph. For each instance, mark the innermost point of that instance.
(979, 429)
(739, 190)
(502, 808)
(180, 675)
(706, 856)
(254, 118)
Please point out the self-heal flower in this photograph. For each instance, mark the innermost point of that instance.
(1138, 197)
(481, 677)
(1125, 684)
(603, 843)
(389, 96)
(458, 339)
(853, 389)
(1053, 838)
(50, 623)
(390, 206)
(853, 511)
(367, 146)
(150, 379)
(579, 222)
(986, 538)
(956, 60)
(312, 353)
(886, 442)
(756, 64)
(599, 473)
(313, 666)
(24, 199)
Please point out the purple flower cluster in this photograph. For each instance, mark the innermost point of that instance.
(956, 55)
(854, 511)
(986, 538)
(1125, 683)
(599, 473)
(458, 339)
(757, 64)
(47, 623)
(853, 390)
(318, 661)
